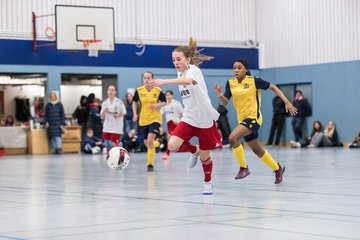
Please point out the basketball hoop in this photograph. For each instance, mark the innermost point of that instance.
(92, 47)
(49, 33)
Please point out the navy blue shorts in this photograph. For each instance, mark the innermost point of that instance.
(253, 126)
(151, 128)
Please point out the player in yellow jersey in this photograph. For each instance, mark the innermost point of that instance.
(246, 94)
(150, 119)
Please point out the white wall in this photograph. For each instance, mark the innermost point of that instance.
(291, 32)
(70, 95)
(143, 21)
(304, 32)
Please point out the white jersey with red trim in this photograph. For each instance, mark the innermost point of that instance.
(198, 111)
(111, 124)
(172, 111)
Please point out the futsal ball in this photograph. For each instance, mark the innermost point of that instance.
(118, 158)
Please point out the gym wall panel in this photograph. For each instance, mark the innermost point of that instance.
(304, 32)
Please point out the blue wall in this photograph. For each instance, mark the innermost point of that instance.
(19, 52)
(335, 86)
(335, 96)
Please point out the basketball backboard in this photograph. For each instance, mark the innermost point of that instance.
(76, 24)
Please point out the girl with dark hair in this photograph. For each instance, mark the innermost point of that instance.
(245, 90)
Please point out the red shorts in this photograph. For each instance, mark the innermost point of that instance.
(171, 126)
(113, 137)
(209, 138)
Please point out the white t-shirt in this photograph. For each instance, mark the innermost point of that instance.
(198, 111)
(172, 111)
(111, 124)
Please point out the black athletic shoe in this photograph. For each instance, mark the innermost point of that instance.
(150, 168)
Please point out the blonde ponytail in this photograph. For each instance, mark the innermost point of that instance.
(191, 52)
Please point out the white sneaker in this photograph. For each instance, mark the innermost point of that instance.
(295, 144)
(96, 150)
(208, 188)
(194, 157)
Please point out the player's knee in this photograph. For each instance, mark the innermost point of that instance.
(172, 147)
(233, 140)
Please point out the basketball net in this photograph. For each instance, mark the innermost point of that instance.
(92, 47)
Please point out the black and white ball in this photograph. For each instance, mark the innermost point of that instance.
(118, 158)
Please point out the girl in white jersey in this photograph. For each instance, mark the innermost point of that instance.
(113, 111)
(173, 113)
(199, 116)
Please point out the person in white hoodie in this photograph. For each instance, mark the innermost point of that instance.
(199, 116)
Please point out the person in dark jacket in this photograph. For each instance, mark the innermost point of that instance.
(223, 124)
(54, 119)
(81, 115)
(278, 120)
(304, 110)
(129, 123)
(94, 115)
(89, 101)
(356, 142)
(130, 140)
(92, 144)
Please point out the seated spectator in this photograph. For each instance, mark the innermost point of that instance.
(328, 138)
(161, 140)
(130, 141)
(9, 121)
(304, 142)
(2, 120)
(92, 144)
(356, 142)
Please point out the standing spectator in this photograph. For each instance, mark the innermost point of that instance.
(278, 120)
(223, 124)
(173, 113)
(37, 111)
(129, 123)
(54, 119)
(81, 115)
(94, 114)
(89, 100)
(304, 110)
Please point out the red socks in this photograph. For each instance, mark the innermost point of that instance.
(207, 167)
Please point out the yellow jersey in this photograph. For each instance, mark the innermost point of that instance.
(146, 98)
(246, 96)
